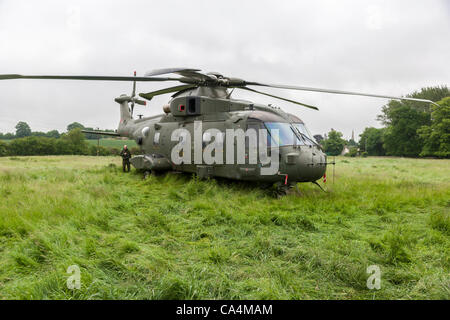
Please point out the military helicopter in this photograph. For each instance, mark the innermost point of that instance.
(202, 104)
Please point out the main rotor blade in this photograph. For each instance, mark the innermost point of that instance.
(133, 93)
(83, 77)
(336, 92)
(141, 102)
(185, 72)
(158, 72)
(114, 134)
(150, 95)
(288, 100)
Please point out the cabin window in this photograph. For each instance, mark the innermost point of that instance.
(191, 106)
(156, 138)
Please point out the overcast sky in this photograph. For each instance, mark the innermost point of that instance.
(387, 47)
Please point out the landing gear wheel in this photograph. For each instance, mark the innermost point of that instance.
(146, 174)
(279, 189)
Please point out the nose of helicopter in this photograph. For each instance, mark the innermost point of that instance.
(305, 164)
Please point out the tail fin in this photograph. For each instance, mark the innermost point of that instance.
(125, 112)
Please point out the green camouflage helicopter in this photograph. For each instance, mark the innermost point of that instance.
(232, 138)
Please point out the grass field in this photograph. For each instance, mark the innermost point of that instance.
(175, 237)
(113, 143)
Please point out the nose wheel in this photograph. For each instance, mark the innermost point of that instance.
(146, 174)
(280, 189)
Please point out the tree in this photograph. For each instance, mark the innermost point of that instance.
(352, 152)
(334, 144)
(73, 142)
(38, 134)
(31, 146)
(436, 137)
(9, 136)
(352, 143)
(401, 138)
(3, 149)
(371, 141)
(404, 118)
(53, 134)
(74, 125)
(92, 136)
(23, 130)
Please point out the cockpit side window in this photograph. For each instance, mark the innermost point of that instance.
(286, 134)
(156, 138)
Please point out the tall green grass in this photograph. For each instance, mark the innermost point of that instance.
(176, 237)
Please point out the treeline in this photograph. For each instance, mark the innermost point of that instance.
(71, 143)
(24, 130)
(411, 129)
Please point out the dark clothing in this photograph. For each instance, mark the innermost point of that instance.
(126, 164)
(126, 155)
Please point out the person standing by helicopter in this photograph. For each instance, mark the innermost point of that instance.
(126, 155)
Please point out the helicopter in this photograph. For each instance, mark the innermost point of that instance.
(201, 107)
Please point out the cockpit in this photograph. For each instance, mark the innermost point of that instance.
(289, 134)
(291, 131)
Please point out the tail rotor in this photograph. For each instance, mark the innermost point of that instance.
(124, 100)
(133, 99)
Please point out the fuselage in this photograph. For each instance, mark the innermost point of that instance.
(300, 158)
